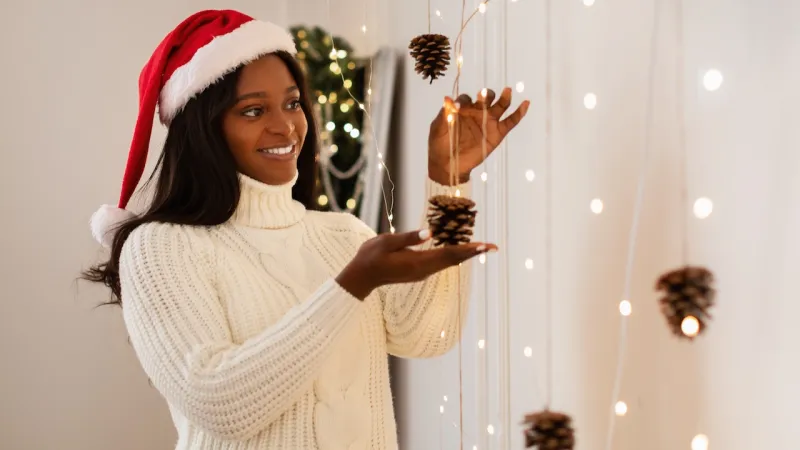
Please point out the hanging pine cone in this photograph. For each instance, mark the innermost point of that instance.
(688, 295)
(432, 54)
(451, 219)
(548, 430)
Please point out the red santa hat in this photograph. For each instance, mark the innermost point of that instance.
(197, 53)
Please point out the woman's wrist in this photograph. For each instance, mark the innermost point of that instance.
(352, 280)
(442, 176)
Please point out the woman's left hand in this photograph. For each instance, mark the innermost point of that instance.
(468, 120)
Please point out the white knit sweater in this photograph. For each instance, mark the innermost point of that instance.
(243, 330)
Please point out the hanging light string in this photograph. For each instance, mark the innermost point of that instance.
(625, 305)
(548, 227)
(680, 107)
(388, 203)
(457, 43)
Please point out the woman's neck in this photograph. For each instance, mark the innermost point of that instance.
(267, 206)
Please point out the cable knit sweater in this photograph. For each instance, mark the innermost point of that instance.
(243, 330)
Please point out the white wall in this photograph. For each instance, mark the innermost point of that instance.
(737, 384)
(69, 380)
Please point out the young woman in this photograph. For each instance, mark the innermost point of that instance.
(263, 324)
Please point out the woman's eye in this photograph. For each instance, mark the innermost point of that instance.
(252, 112)
(295, 104)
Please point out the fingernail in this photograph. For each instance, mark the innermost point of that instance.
(424, 234)
(493, 250)
(481, 249)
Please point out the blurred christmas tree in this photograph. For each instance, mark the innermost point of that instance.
(332, 71)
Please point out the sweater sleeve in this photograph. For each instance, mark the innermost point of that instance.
(423, 319)
(179, 331)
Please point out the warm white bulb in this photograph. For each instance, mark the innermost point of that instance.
(703, 207)
(458, 192)
(449, 118)
(484, 176)
(445, 398)
(520, 86)
(482, 7)
(380, 156)
(391, 216)
(482, 258)
(690, 326)
(590, 101)
(700, 442)
(334, 148)
(621, 408)
(490, 429)
(441, 409)
(442, 334)
(322, 99)
(341, 54)
(369, 91)
(363, 28)
(438, 13)
(351, 203)
(596, 206)
(355, 133)
(529, 264)
(348, 127)
(330, 126)
(625, 308)
(322, 200)
(481, 344)
(484, 92)
(392, 230)
(460, 60)
(528, 352)
(712, 80)
(529, 175)
(588, 2)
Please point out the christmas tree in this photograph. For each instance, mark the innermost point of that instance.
(335, 76)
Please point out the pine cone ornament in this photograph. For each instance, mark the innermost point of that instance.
(451, 219)
(688, 294)
(432, 54)
(549, 430)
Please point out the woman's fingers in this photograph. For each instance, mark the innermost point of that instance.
(434, 260)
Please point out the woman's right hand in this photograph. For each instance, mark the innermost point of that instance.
(387, 259)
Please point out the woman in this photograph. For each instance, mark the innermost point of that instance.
(263, 324)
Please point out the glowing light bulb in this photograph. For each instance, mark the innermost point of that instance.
(529, 175)
(335, 68)
(344, 107)
(484, 92)
(690, 326)
(460, 60)
(380, 158)
(322, 99)
(481, 344)
(341, 54)
(700, 442)
(482, 7)
(528, 352)
(360, 106)
(529, 264)
(351, 203)
(438, 13)
(445, 398)
(392, 230)
(520, 86)
(348, 127)
(458, 192)
(703, 207)
(330, 126)
(596, 206)
(588, 2)
(712, 80)
(625, 308)
(369, 91)
(391, 216)
(363, 28)
(484, 176)
(442, 334)
(490, 429)
(590, 101)
(322, 200)
(482, 258)
(450, 118)
(621, 408)
(334, 148)
(441, 409)
(355, 133)
(348, 83)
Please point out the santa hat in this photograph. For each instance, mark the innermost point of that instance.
(197, 53)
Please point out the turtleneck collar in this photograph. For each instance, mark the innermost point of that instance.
(267, 206)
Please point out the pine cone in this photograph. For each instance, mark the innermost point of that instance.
(687, 292)
(548, 430)
(451, 219)
(432, 54)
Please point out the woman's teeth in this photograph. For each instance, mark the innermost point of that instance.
(277, 150)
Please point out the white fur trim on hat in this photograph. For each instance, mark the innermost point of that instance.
(104, 220)
(218, 58)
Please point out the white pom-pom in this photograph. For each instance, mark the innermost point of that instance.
(104, 220)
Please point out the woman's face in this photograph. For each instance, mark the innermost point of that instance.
(266, 127)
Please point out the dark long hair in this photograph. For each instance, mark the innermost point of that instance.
(197, 180)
